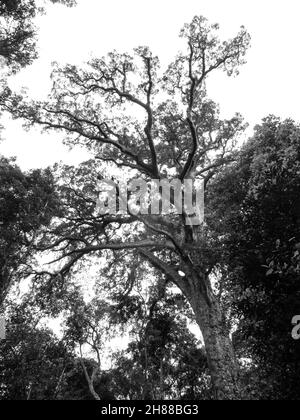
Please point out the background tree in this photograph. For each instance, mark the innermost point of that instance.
(18, 36)
(18, 32)
(37, 365)
(182, 137)
(27, 202)
(32, 360)
(76, 388)
(256, 205)
(163, 361)
(88, 326)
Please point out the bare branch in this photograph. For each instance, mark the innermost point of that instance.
(90, 380)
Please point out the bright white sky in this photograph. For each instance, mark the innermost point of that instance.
(269, 83)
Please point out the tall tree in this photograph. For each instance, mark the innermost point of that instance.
(99, 106)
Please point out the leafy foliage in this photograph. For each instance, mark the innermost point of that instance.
(32, 359)
(27, 202)
(165, 363)
(17, 31)
(256, 206)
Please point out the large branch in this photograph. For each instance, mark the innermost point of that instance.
(105, 140)
(161, 232)
(167, 270)
(103, 136)
(122, 94)
(190, 161)
(194, 82)
(118, 247)
(148, 128)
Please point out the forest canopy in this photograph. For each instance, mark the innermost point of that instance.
(126, 291)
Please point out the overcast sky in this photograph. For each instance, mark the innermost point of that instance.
(268, 83)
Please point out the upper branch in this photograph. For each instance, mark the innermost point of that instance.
(193, 85)
(148, 128)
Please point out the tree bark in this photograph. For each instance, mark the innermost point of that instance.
(221, 358)
(197, 288)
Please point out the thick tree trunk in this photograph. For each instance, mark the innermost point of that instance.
(222, 362)
(221, 358)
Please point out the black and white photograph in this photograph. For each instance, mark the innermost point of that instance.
(149, 203)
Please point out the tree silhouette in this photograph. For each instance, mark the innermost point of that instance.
(155, 126)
